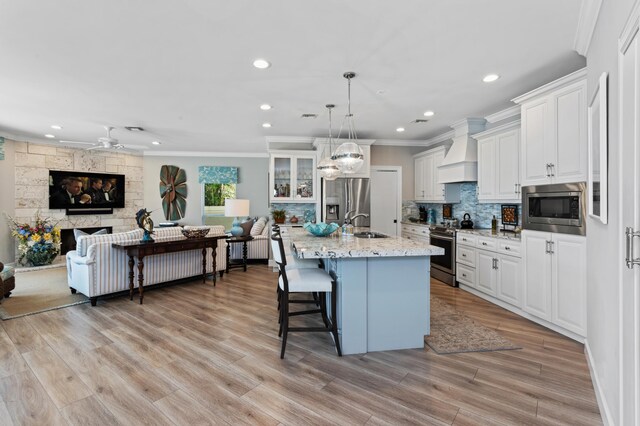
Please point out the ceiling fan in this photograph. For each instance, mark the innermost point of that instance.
(107, 142)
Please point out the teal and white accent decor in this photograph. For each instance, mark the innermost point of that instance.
(236, 208)
(1, 148)
(217, 174)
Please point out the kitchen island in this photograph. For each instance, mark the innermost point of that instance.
(383, 287)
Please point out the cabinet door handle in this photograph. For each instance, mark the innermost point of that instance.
(484, 244)
(546, 247)
(629, 260)
(551, 243)
(515, 188)
(464, 255)
(507, 248)
(496, 261)
(553, 168)
(548, 167)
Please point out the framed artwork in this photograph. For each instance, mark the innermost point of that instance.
(598, 150)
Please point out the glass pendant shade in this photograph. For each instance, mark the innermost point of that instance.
(328, 169)
(349, 157)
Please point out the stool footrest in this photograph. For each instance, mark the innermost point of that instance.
(314, 311)
(314, 329)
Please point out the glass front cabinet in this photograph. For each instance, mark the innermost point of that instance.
(292, 178)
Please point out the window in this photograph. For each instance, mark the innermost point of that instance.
(214, 196)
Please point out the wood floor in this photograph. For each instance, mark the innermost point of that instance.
(194, 354)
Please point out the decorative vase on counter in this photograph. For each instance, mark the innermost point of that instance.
(293, 219)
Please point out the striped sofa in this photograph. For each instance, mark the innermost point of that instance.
(258, 248)
(95, 268)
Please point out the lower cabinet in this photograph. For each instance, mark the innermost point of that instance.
(555, 278)
(482, 263)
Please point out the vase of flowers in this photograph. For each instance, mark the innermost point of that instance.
(278, 215)
(38, 244)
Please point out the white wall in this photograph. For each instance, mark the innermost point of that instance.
(7, 195)
(253, 184)
(604, 242)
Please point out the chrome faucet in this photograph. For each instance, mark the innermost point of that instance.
(348, 219)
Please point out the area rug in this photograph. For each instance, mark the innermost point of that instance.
(453, 332)
(39, 290)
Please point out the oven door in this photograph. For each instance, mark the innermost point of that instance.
(447, 261)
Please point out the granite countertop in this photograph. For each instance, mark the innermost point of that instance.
(408, 222)
(308, 246)
(487, 233)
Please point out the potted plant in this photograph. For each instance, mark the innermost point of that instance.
(278, 215)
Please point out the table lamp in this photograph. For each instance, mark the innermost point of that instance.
(236, 208)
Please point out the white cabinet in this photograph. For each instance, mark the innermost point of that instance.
(554, 138)
(555, 278)
(498, 164)
(426, 184)
(292, 177)
(416, 232)
(490, 265)
(419, 180)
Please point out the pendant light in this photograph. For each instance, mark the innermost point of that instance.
(349, 156)
(327, 166)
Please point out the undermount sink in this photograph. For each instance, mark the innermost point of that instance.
(369, 234)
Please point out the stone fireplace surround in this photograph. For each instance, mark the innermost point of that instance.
(32, 165)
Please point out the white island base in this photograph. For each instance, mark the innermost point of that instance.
(383, 302)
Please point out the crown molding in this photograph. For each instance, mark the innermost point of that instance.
(512, 111)
(589, 11)
(398, 142)
(440, 138)
(562, 81)
(631, 27)
(497, 129)
(206, 154)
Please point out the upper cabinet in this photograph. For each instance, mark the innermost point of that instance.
(498, 164)
(426, 186)
(292, 177)
(554, 132)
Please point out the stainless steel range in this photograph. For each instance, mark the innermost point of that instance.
(443, 267)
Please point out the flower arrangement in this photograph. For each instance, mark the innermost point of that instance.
(38, 244)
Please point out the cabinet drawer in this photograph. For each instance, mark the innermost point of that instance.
(466, 275)
(466, 255)
(509, 247)
(416, 230)
(487, 243)
(466, 239)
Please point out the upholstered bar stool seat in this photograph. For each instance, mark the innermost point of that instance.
(304, 280)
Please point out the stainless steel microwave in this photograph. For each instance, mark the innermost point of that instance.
(555, 208)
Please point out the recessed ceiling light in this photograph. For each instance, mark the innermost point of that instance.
(56, 126)
(490, 78)
(429, 113)
(134, 128)
(266, 125)
(261, 64)
(49, 135)
(265, 107)
(400, 129)
(155, 143)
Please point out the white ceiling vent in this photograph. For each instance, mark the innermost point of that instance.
(420, 120)
(309, 116)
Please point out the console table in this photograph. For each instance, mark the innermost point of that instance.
(141, 250)
(243, 240)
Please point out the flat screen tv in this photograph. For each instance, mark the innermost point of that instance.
(84, 190)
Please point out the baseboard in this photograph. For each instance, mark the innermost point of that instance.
(605, 413)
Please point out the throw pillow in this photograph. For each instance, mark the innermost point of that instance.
(78, 233)
(258, 227)
(246, 227)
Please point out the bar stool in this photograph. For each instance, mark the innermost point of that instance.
(304, 281)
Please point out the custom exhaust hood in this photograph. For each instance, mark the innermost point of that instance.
(461, 162)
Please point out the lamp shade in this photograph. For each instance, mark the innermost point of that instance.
(236, 207)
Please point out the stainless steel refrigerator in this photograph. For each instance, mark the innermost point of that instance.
(345, 195)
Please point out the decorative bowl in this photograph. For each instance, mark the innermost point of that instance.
(321, 229)
(195, 232)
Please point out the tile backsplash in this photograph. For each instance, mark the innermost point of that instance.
(481, 214)
(297, 209)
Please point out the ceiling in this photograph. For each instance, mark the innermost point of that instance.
(183, 70)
